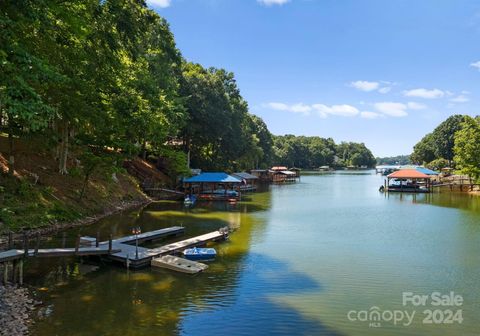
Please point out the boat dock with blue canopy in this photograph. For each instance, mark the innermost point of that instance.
(217, 186)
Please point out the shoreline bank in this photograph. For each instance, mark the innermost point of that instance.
(16, 309)
(85, 221)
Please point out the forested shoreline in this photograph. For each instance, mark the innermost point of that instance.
(455, 143)
(86, 85)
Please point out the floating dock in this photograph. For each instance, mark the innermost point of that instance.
(178, 264)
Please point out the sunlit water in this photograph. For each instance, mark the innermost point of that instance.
(302, 257)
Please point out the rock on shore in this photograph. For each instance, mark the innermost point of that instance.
(16, 306)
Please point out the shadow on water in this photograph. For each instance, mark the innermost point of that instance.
(456, 200)
(233, 296)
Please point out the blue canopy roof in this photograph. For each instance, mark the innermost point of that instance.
(426, 171)
(212, 178)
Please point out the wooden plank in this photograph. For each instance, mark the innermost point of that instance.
(11, 255)
(150, 235)
(195, 241)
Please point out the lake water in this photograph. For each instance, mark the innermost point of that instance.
(306, 259)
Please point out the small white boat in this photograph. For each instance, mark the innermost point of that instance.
(178, 264)
(190, 200)
(198, 253)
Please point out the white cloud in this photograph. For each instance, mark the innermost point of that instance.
(425, 93)
(277, 106)
(365, 85)
(370, 115)
(385, 89)
(296, 108)
(339, 110)
(160, 3)
(273, 2)
(460, 99)
(416, 106)
(392, 109)
(475, 65)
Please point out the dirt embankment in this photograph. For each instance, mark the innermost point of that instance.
(39, 199)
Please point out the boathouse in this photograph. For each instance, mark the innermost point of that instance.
(216, 186)
(262, 174)
(408, 180)
(249, 181)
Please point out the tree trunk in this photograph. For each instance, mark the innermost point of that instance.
(11, 154)
(62, 165)
(144, 150)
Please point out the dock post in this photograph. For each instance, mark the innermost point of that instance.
(128, 262)
(5, 273)
(14, 272)
(64, 239)
(25, 243)
(10, 240)
(97, 241)
(110, 244)
(20, 272)
(77, 244)
(37, 244)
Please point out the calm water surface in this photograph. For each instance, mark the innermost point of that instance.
(301, 258)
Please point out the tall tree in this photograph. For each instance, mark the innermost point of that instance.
(467, 147)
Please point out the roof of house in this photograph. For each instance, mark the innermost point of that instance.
(212, 178)
(408, 173)
(426, 171)
(244, 175)
(286, 172)
(279, 168)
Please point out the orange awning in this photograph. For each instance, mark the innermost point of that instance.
(408, 173)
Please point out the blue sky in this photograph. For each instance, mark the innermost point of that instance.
(382, 72)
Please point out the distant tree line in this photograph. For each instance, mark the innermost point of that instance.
(454, 143)
(394, 160)
(314, 152)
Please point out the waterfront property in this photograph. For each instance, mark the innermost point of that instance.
(283, 176)
(216, 186)
(249, 181)
(263, 175)
(408, 180)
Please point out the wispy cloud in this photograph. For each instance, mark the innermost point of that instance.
(338, 110)
(273, 2)
(476, 65)
(416, 106)
(370, 115)
(425, 93)
(381, 109)
(460, 99)
(295, 108)
(367, 86)
(160, 3)
(392, 109)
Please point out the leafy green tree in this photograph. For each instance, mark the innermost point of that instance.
(467, 148)
(424, 150)
(444, 136)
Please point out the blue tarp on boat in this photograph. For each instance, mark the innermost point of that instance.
(212, 178)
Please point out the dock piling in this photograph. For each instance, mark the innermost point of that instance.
(25, 243)
(10, 240)
(37, 244)
(110, 243)
(97, 241)
(77, 244)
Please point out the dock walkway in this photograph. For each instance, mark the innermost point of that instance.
(122, 249)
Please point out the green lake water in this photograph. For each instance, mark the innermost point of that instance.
(301, 258)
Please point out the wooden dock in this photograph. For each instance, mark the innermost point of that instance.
(122, 249)
(128, 253)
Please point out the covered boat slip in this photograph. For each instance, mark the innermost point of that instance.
(213, 186)
(249, 181)
(408, 180)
